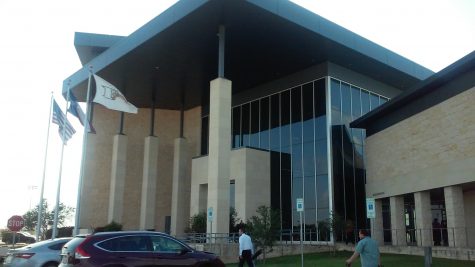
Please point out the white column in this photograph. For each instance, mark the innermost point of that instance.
(219, 154)
(377, 230)
(149, 183)
(117, 183)
(398, 224)
(454, 207)
(181, 188)
(423, 218)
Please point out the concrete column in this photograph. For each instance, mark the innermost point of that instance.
(181, 188)
(219, 154)
(423, 218)
(117, 183)
(251, 170)
(398, 224)
(454, 207)
(149, 183)
(377, 229)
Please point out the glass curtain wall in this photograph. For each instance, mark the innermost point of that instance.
(292, 126)
(348, 103)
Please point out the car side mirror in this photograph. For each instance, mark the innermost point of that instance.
(183, 251)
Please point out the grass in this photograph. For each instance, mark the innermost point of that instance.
(327, 259)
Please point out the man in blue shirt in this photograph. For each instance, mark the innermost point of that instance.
(367, 248)
(246, 249)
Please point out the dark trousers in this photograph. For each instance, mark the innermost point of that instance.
(247, 257)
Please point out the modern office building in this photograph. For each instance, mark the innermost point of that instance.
(241, 104)
(420, 155)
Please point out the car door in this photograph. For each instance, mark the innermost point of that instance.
(170, 252)
(129, 250)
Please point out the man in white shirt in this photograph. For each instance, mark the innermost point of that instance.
(246, 249)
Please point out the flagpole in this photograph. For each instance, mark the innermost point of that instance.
(58, 189)
(83, 157)
(40, 206)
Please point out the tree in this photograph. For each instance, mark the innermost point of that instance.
(31, 217)
(233, 220)
(197, 223)
(264, 228)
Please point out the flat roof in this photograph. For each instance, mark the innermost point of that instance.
(421, 96)
(177, 52)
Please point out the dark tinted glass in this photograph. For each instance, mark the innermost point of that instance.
(204, 135)
(57, 246)
(245, 123)
(275, 123)
(320, 110)
(126, 243)
(285, 121)
(365, 106)
(236, 127)
(254, 136)
(264, 134)
(335, 102)
(346, 103)
(374, 100)
(165, 244)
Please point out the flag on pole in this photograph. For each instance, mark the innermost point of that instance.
(60, 118)
(76, 110)
(109, 96)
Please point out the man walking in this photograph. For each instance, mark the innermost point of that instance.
(245, 249)
(367, 248)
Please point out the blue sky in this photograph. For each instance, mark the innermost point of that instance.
(37, 53)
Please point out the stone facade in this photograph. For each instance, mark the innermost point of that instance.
(432, 149)
(99, 158)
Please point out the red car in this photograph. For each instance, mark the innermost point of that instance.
(134, 248)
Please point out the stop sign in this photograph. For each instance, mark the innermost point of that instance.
(15, 223)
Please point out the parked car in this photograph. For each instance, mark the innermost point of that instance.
(133, 248)
(46, 253)
(20, 237)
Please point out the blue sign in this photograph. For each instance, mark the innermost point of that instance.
(210, 214)
(370, 210)
(299, 204)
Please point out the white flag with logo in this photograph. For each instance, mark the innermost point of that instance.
(109, 96)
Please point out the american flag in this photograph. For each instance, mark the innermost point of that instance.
(76, 110)
(60, 119)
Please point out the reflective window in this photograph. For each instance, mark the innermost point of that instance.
(245, 123)
(335, 102)
(275, 123)
(165, 244)
(292, 124)
(236, 132)
(255, 117)
(204, 135)
(374, 101)
(264, 124)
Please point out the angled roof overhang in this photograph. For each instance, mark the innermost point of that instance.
(176, 53)
(90, 45)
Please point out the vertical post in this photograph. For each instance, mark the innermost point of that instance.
(221, 35)
(83, 157)
(58, 189)
(427, 256)
(301, 240)
(40, 206)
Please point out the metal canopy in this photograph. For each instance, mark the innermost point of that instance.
(177, 52)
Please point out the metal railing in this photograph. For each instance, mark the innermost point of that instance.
(452, 237)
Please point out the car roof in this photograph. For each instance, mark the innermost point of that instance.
(130, 232)
(47, 242)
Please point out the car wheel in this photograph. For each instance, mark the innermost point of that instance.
(50, 264)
